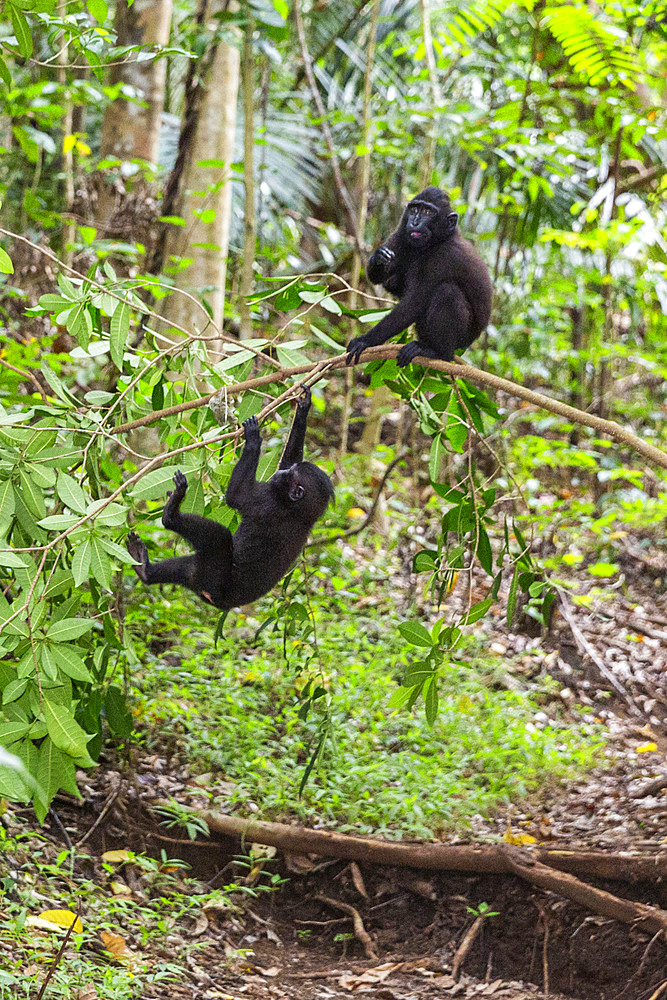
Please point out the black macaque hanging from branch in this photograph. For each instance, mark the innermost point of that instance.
(276, 517)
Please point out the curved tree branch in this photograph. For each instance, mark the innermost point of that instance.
(457, 369)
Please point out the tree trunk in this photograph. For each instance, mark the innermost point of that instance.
(363, 177)
(249, 225)
(131, 130)
(204, 195)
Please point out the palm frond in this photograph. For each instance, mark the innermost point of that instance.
(596, 50)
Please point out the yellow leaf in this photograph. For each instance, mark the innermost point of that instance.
(356, 512)
(646, 747)
(62, 918)
(82, 148)
(113, 857)
(69, 142)
(617, 534)
(517, 838)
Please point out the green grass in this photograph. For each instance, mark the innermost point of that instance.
(234, 712)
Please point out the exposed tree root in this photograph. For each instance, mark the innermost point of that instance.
(360, 931)
(491, 859)
(648, 918)
(461, 952)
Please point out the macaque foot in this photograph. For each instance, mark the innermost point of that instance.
(251, 429)
(412, 350)
(181, 487)
(304, 402)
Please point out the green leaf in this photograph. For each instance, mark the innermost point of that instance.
(119, 329)
(155, 484)
(69, 661)
(476, 612)
(5, 75)
(57, 522)
(438, 451)
(71, 493)
(117, 551)
(6, 266)
(55, 770)
(118, 716)
(415, 634)
(418, 673)
(14, 690)
(6, 500)
(457, 428)
(80, 324)
(64, 730)
(12, 559)
(100, 567)
(69, 628)
(98, 9)
(484, 553)
(31, 495)
(431, 700)
(512, 596)
(424, 561)
(22, 31)
(12, 731)
(54, 303)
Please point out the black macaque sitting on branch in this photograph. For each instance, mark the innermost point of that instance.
(276, 517)
(442, 283)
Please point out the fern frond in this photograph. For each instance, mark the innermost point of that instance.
(473, 18)
(598, 51)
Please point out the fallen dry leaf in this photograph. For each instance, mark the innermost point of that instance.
(370, 977)
(55, 920)
(114, 857)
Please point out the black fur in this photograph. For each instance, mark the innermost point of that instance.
(276, 517)
(442, 283)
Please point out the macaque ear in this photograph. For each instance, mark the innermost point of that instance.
(452, 219)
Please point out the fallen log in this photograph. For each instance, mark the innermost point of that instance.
(621, 866)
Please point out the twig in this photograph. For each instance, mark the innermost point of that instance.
(326, 131)
(585, 646)
(360, 931)
(461, 952)
(371, 513)
(59, 954)
(111, 798)
(650, 787)
(640, 968)
(28, 376)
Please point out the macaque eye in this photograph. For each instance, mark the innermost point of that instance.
(297, 493)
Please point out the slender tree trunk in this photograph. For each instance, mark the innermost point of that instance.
(68, 156)
(132, 129)
(363, 175)
(250, 225)
(436, 96)
(197, 252)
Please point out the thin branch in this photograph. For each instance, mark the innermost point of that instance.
(456, 369)
(28, 376)
(326, 131)
(371, 513)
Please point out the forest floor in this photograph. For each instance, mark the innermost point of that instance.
(557, 740)
(157, 931)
